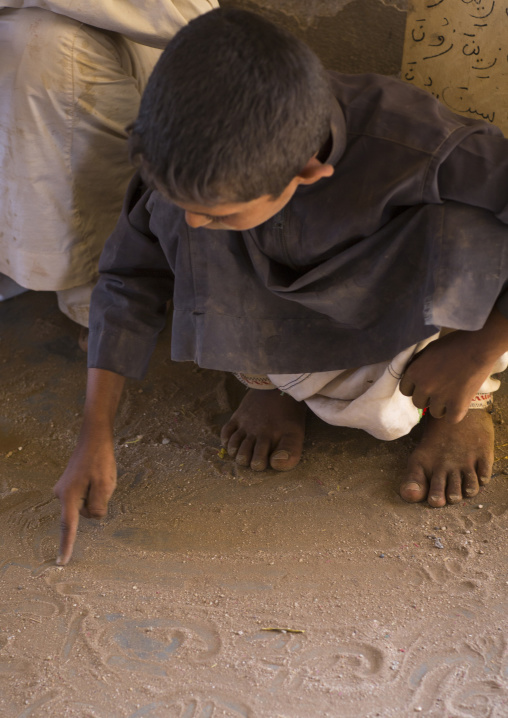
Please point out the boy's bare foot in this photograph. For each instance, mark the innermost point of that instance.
(452, 461)
(83, 339)
(268, 428)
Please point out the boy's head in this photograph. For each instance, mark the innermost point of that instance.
(234, 110)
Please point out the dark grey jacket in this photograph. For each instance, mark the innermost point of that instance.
(408, 235)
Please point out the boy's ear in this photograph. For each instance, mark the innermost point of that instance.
(313, 171)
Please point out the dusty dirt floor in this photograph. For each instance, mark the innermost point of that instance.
(169, 606)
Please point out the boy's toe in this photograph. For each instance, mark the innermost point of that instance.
(453, 487)
(227, 432)
(287, 454)
(470, 485)
(437, 490)
(414, 486)
(245, 451)
(260, 455)
(484, 471)
(234, 443)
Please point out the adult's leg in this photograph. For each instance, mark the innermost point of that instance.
(67, 93)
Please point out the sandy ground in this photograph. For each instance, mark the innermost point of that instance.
(164, 610)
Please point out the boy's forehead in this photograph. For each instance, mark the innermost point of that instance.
(224, 208)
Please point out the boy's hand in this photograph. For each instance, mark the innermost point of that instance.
(85, 488)
(89, 480)
(450, 371)
(445, 377)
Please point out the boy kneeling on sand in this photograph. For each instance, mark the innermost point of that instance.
(316, 233)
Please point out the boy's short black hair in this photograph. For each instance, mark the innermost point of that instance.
(233, 110)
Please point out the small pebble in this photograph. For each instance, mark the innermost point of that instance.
(480, 506)
(381, 555)
(165, 441)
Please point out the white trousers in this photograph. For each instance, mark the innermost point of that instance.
(366, 398)
(67, 93)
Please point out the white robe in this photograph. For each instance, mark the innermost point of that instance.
(71, 78)
(366, 398)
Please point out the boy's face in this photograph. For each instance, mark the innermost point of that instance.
(237, 216)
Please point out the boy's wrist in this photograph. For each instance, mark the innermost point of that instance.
(96, 430)
(104, 390)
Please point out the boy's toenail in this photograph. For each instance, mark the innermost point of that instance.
(412, 486)
(280, 455)
(454, 498)
(470, 492)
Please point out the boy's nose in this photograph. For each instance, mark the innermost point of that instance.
(196, 220)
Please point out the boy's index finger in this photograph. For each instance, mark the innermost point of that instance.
(406, 386)
(68, 529)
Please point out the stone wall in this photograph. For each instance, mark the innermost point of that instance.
(348, 35)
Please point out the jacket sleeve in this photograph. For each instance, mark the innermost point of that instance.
(476, 173)
(129, 302)
(151, 22)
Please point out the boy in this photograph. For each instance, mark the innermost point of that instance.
(353, 217)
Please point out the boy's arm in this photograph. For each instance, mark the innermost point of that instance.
(89, 480)
(450, 371)
(128, 311)
(129, 303)
(475, 172)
